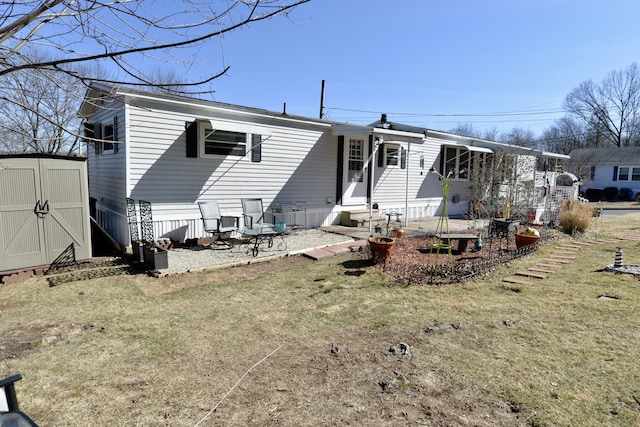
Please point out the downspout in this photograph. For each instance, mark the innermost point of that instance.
(376, 143)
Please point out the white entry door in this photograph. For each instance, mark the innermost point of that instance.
(355, 176)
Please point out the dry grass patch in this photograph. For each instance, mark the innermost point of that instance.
(153, 352)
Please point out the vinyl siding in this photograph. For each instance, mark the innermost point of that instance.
(298, 164)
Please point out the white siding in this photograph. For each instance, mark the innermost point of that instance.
(298, 164)
(107, 176)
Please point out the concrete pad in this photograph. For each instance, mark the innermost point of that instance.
(317, 254)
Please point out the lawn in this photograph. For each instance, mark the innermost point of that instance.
(302, 343)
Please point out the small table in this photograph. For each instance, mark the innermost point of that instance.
(262, 233)
(462, 238)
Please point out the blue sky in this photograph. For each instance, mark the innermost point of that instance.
(427, 62)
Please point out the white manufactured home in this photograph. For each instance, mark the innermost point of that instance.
(175, 151)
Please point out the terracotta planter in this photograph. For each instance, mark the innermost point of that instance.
(381, 246)
(522, 240)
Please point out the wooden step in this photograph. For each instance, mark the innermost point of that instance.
(531, 274)
(543, 264)
(517, 281)
(540, 270)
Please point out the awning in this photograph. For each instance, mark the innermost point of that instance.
(469, 147)
(235, 126)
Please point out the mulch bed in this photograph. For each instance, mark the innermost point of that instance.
(414, 261)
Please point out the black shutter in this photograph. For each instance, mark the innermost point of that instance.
(615, 173)
(381, 155)
(97, 134)
(442, 153)
(403, 158)
(339, 172)
(256, 148)
(115, 134)
(192, 138)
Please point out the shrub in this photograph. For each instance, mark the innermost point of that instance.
(594, 194)
(575, 216)
(625, 194)
(611, 193)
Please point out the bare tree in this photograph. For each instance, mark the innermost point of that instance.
(520, 136)
(45, 103)
(610, 109)
(467, 129)
(564, 136)
(129, 34)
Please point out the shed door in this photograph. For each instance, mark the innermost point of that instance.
(20, 229)
(67, 224)
(44, 214)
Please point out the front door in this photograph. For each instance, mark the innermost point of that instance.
(355, 175)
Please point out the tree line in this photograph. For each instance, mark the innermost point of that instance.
(51, 50)
(598, 115)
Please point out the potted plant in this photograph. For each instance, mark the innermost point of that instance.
(528, 236)
(381, 246)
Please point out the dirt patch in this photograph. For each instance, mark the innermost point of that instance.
(176, 282)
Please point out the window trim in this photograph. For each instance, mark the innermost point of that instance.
(629, 174)
(387, 156)
(108, 147)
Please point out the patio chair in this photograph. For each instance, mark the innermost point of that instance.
(253, 212)
(217, 224)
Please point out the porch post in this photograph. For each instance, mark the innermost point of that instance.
(376, 143)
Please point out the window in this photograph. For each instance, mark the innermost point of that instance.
(107, 135)
(224, 142)
(635, 174)
(356, 160)
(392, 155)
(461, 163)
(623, 174)
(456, 162)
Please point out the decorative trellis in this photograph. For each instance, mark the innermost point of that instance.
(146, 224)
(132, 219)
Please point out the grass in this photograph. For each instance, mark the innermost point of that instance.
(142, 351)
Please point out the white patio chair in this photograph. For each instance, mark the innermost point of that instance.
(253, 212)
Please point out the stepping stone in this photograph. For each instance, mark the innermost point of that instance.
(517, 281)
(568, 248)
(557, 260)
(583, 243)
(542, 264)
(540, 270)
(531, 274)
(558, 256)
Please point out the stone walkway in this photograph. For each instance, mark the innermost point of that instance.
(562, 254)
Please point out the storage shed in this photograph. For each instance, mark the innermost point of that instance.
(44, 211)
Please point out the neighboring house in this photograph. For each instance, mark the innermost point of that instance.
(175, 151)
(599, 168)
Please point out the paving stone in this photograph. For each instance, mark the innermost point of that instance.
(544, 264)
(531, 274)
(540, 270)
(557, 260)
